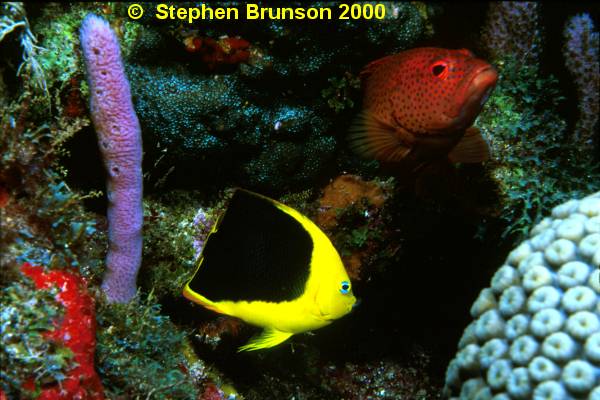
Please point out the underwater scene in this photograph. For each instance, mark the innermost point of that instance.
(299, 200)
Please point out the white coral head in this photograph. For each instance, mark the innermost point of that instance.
(536, 333)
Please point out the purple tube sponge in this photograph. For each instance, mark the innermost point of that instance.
(581, 58)
(120, 142)
(512, 29)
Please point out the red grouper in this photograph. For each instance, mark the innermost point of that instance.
(419, 105)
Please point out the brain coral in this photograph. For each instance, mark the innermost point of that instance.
(536, 333)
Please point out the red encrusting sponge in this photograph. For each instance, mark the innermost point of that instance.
(76, 330)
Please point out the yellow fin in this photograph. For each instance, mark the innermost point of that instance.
(199, 299)
(268, 338)
(472, 148)
(371, 138)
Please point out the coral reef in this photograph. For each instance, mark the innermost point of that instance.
(258, 122)
(43, 219)
(308, 375)
(512, 29)
(298, 155)
(44, 222)
(213, 53)
(58, 28)
(58, 33)
(212, 332)
(350, 210)
(345, 191)
(537, 328)
(379, 380)
(140, 352)
(533, 155)
(173, 237)
(266, 106)
(341, 91)
(581, 58)
(120, 142)
(203, 222)
(212, 392)
(533, 151)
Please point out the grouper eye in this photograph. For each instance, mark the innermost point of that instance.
(345, 288)
(440, 69)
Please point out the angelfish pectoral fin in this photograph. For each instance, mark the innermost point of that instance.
(268, 338)
(472, 148)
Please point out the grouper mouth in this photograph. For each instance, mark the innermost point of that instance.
(482, 84)
(480, 88)
(477, 91)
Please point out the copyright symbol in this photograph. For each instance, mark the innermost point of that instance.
(135, 11)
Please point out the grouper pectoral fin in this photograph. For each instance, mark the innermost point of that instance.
(371, 138)
(268, 338)
(472, 148)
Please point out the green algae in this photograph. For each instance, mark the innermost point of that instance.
(342, 91)
(169, 232)
(58, 30)
(25, 355)
(140, 352)
(44, 222)
(535, 162)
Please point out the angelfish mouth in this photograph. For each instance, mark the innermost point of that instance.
(355, 305)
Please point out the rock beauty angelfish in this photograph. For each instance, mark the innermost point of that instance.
(272, 267)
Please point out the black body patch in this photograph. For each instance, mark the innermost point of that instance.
(257, 253)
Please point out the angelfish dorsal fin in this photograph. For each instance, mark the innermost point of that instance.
(371, 138)
(268, 338)
(472, 148)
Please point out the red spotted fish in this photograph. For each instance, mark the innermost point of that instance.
(419, 106)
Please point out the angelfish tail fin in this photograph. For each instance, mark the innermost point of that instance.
(268, 338)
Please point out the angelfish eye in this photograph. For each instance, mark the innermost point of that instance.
(440, 69)
(345, 288)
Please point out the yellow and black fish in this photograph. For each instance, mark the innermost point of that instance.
(272, 267)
